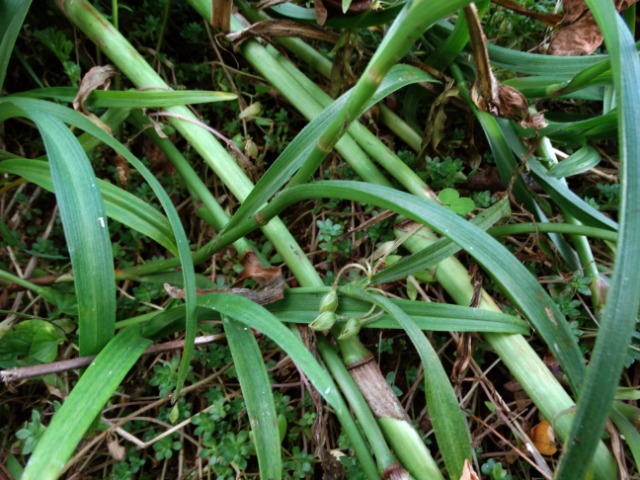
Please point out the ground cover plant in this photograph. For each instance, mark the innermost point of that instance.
(355, 240)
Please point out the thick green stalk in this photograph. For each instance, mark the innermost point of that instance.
(350, 390)
(565, 228)
(531, 384)
(580, 242)
(366, 140)
(133, 65)
(335, 129)
(412, 20)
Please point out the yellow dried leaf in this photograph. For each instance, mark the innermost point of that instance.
(468, 473)
(544, 438)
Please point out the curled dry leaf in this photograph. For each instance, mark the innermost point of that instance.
(467, 472)
(544, 438)
(96, 77)
(487, 92)
(434, 131)
(580, 34)
(116, 450)
(283, 28)
(254, 270)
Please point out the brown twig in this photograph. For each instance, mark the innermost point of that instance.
(22, 373)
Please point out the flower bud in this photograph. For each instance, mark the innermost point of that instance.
(351, 329)
(324, 321)
(329, 302)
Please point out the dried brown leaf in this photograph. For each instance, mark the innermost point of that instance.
(254, 270)
(581, 37)
(333, 8)
(116, 450)
(434, 131)
(283, 28)
(580, 34)
(97, 77)
(468, 473)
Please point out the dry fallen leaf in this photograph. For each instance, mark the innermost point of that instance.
(544, 438)
(116, 450)
(96, 77)
(579, 34)
(468, 473)
(487, 92)
(282, 28)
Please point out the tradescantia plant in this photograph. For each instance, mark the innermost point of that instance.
(578, 415)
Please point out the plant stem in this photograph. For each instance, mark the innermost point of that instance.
(133, 65)
(580, 242)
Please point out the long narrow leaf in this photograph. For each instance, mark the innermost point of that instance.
(301, 305)
(568, 200)
(89, 395)
(295, 154)
(120, 205)
(15, 106)
(85, 227)
(582, 160)
(619, 319)
(441, 249)
(252, 315)
(258, 397)
(12, 15)
(132, 98)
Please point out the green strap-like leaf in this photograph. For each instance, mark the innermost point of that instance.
(84, 404)
(85, 227)
(254, 316)
(132, 98)
(620, 312)
(301, 305)
(568, 200)
(581, 161)
(12, 15)
(580, 131)
(15, 106)
(120, 205)
(441, 249)
(258, 397)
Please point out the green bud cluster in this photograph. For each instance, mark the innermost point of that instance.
(327, 317)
